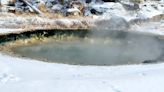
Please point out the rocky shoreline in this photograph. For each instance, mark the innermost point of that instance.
(31, 23)
(133, 13)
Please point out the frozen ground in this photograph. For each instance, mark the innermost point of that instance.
(148, 10)
(25, 75)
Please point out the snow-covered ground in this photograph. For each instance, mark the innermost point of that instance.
(147, 10)
(25, 75)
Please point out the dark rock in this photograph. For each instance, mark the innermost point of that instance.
(88, 1)
(12, 2)
(132, 6)
(94, 11)
(149, 61)
(109, 0)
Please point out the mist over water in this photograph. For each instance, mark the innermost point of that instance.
(106, 45)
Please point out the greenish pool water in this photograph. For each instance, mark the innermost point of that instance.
(132, 49)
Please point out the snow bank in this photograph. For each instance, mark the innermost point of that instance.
(150, 9)
(39, 76)
(145, 10)
(3, 67)
(109, 9)
(5, 75)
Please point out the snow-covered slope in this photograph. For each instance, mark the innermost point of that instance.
(35, 76)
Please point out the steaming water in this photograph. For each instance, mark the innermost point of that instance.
(132, 49)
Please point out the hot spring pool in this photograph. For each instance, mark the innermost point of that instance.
(131, 49)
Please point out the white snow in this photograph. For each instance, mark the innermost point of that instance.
(73, 10)
(57, 7)
(109, 9)
(36, 76)
(147, 10)
(4, 2)
(4, 30)
(150, 9)
(5, 74)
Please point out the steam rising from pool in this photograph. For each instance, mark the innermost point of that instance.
(106, 45)
(96, 51)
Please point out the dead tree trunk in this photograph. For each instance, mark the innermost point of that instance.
(33, 7)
